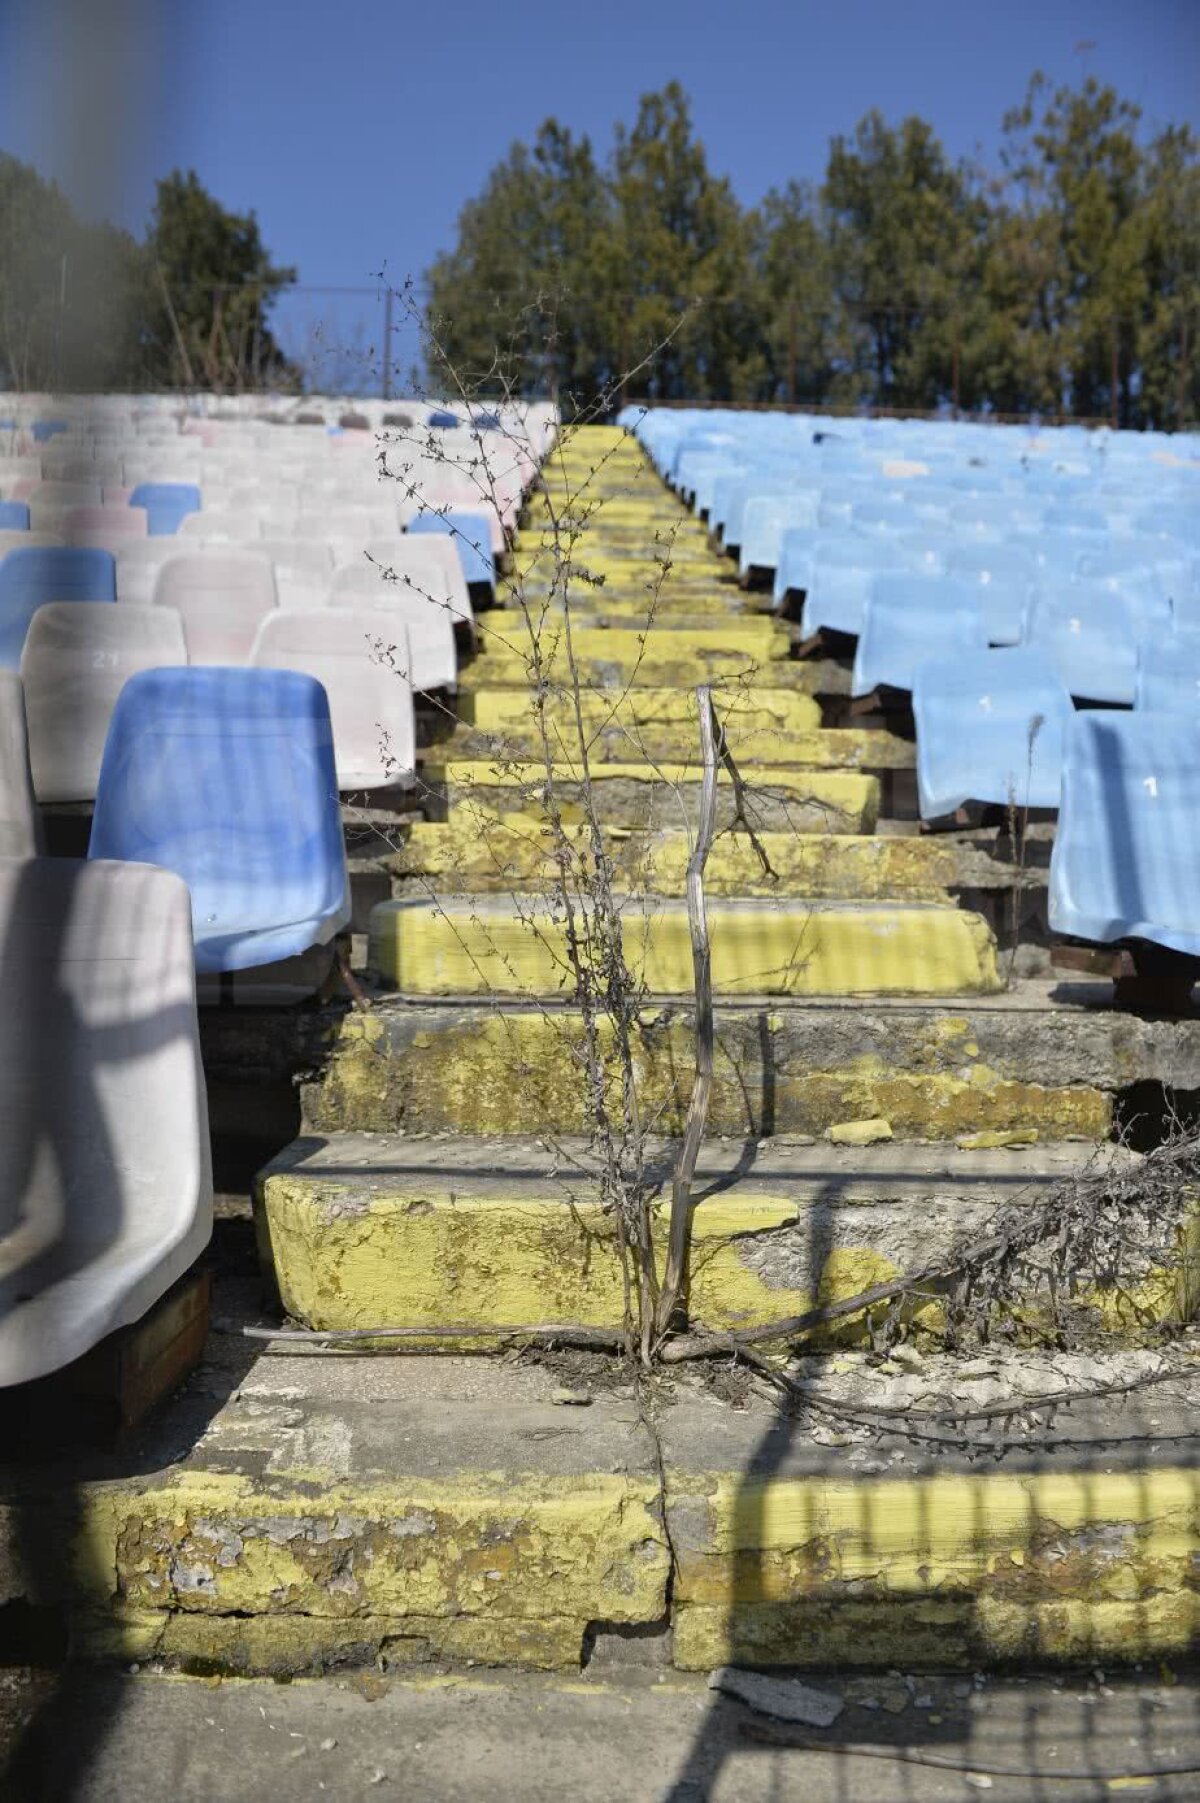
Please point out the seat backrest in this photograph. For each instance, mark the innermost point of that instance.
(431, 648)
(471, 535)
(227, 777)
(910, 618)
(360, 656)
(221, 597)
(18, 816)
(74, 665)
(113, 522)
(166, 504)
(1168, 674)
(29, 578)
(104, 1160)
(990, 728)
(14, 516)
(1126, 859)
(427, 565)
(1088, 633)
(231, 525)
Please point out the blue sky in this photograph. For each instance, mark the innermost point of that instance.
(357, 128)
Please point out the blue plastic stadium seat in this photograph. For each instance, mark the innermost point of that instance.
(443, 419)
(167, 504)
(49, 428)
(1004, 575)
(990, 728)
(765, 519)
(1126, 860)
(472, 540)
(1168, 674)
(909, 618)
(1088, 633)
(30, 577)
(14, 516)
(797, 547)
(227, 777)
(842, 571)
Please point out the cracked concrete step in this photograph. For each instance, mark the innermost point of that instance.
(624, 654)
(368, 1230)
(635, 794)
(846, 748)
(1046, 1058)
(757, 708)
(609, 661)
(288, 1515)
(494, 945)
(517, 855)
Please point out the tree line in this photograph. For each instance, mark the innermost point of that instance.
(88, 306)
(1064, 281)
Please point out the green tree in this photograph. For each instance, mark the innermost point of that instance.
(211, 283)
(903, 227)
(1168, 340)
(802, 340)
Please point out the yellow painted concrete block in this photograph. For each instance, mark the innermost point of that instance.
(460, 948)
(752, 709)
(688, 656)
(636, 794)
(518, 855)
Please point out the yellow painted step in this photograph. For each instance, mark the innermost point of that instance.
(507, 629)
(643, 794)
(750, 709)
(845, 748)
(490, 946)
(518, 855)
(664, 658)
(368, 1229)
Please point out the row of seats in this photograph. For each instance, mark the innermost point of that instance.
(212, 690)
(1006, 579)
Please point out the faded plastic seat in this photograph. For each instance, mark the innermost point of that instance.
(1088, 634)
(75, 663)
(432, 653)
(908, 619)
(1168, 674)
(14, 516)
(167, 504)
(840, 579)
(1005, 576)
(19, 836)
(227, 777)
(30, 578)
(104, 1157)
(360, 657)
(472, 538)
(990, 728)
(81, 525)
(1126, 859)
(221, 598)
(427, 565)
(764, 521)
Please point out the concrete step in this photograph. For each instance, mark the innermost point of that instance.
(613, 661)
(1052, 1059)
(662, 659)
(446, 857)
(491, 945)
(289, 1515)
(845, 748)
(638, 795)
(367, 1230)
(642, 707)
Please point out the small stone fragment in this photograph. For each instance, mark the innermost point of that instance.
(860, 1133)
(908, 1357)
(571, 1399)
(328, 1744)
(785, 1698)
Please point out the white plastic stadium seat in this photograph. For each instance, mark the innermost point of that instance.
(431, 649)
(104, 1164)
(370, 697)
(73, 667)
(428, 566)
(221, 598)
